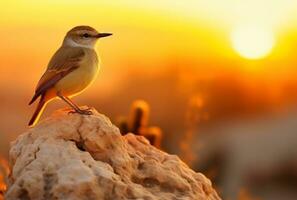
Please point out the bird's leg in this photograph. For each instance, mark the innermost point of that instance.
(74, 106)
(77, 109)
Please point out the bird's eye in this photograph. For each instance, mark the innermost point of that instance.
(86, 35)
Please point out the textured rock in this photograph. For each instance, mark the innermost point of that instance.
(70, 156)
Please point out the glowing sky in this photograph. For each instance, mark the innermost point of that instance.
(270, 12)
(147, 32)
(149, 36)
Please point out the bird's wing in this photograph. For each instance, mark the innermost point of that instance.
(62, 63)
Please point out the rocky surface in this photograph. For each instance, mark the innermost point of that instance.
(75, 157)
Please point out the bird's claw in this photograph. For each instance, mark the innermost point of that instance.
(86, 112)
(82, 112)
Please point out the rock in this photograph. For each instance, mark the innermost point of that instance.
(77, 157)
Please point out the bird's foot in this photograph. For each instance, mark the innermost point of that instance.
(82, 112)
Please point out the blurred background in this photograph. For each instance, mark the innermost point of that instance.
(218, 78)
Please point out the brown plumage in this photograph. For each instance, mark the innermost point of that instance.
(72, 68)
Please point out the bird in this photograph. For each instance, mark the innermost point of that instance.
(72, 68)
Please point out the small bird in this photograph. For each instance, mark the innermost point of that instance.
(72, 69)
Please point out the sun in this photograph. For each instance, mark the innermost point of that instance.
(252, 42)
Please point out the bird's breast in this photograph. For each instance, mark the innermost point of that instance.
(78, 80)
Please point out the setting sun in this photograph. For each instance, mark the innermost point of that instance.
(252, 42)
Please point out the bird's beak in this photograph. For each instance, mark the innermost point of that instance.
(101, 35)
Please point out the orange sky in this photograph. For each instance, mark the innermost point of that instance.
(149, 37)
(200, 28)
(148, 34)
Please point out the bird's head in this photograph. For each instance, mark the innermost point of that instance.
(83, 36)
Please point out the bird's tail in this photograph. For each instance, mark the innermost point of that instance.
(38, 111)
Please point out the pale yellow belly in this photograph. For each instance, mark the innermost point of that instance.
(78, 80)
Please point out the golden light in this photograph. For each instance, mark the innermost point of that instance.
(252, 42)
